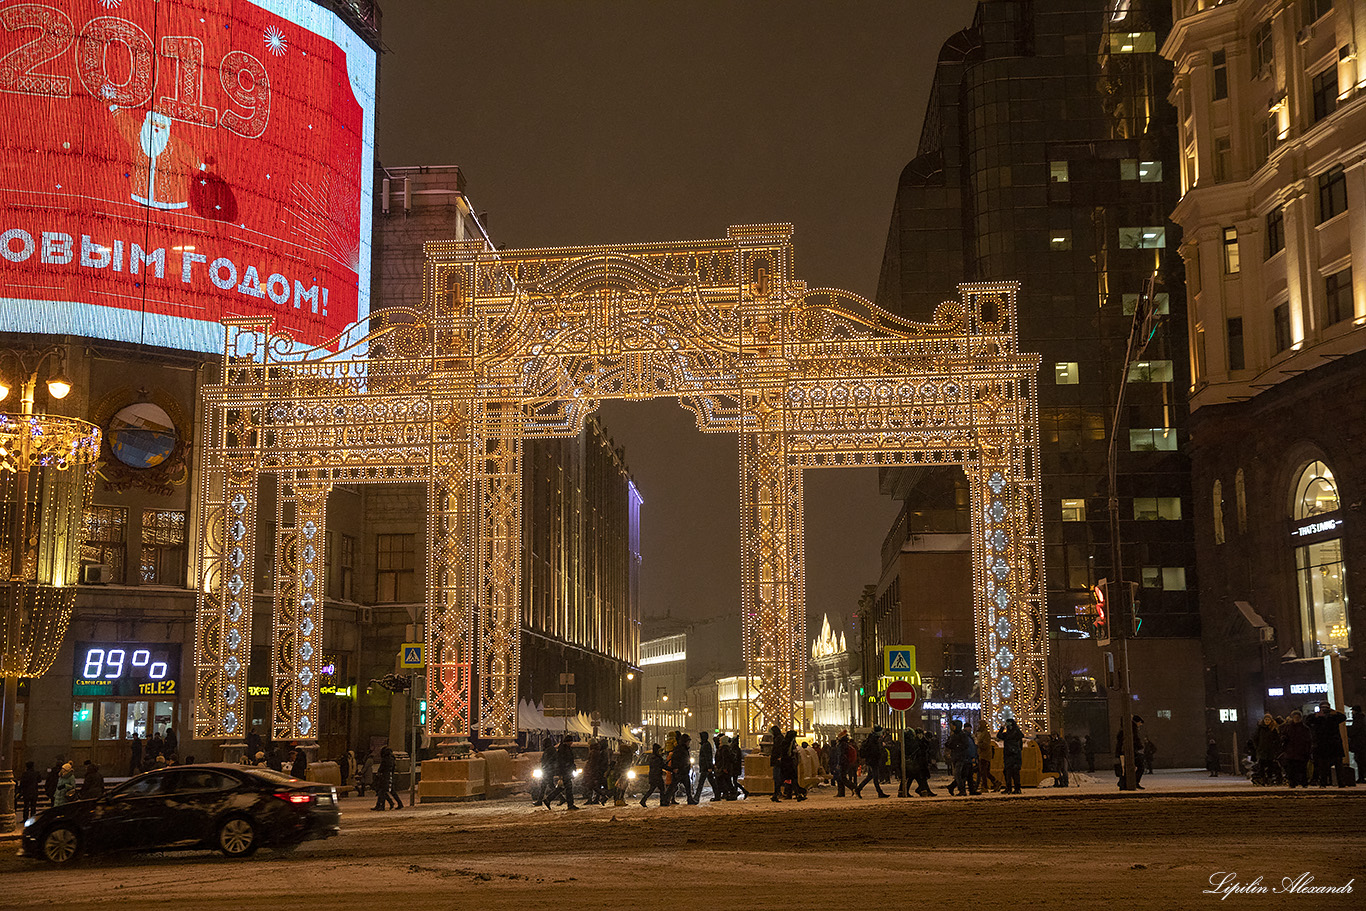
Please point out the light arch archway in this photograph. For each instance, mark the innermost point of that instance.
(525, 344)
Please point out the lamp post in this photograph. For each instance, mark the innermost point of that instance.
(1122, 608)
(39, 537)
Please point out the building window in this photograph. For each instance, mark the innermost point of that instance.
(1240, 501)
(1057, 171)
(1060, 240)
(1162, 304)
(1322, 576)
(1153, 509)
(347, 564)
(1220, 61)
(1332, 193)
(1218, 497)
(1223, 158)
(1150, 372)
(1263, 51)
(106, 539)
(395, 568)
(1145, 171)
(1280, 321)
(1235, 343)
(1166, 578)
(1065, 373)
(1073, 510)
(1338, 296)
(1318, 9)
(1154, 439)
(1232, 264)
(1133, 42)
(1275, 231)
(1150, 237)
(1270, 136)
(163, 547)
(1324, 90)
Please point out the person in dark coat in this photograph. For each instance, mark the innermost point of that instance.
(873, 753)
(1266, 746)
(775, 760)
(595, 773)
(1296, 746)
(656, 781)
(50, 783)
(1138, 754)
(155, 747)
(839, 775)
(791, 765)
(299, 769)
(170, 741)
(253, 742)
(724, 762)
(1325, 732)
(1088, 748)
(384, 781)
(1356, 739)
(92, 782)
(549, 788)
(737, 770)
(135, 757)
(680, 765)
(564, 767)
(958, 745)
(29, 783)
(1012, 754)
(1212, 762)
(706, 768)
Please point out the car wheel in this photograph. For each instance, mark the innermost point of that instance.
(237, 837)
(61, 844)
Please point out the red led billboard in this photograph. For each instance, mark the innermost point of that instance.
(168, 164)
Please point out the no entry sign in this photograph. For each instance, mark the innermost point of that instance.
(900, 695)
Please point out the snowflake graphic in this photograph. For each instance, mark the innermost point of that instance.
(275, 41)
(110, 4)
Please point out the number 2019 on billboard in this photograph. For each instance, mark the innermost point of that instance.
(242, 76)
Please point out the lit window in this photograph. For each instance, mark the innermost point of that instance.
(1174, 578)
(1164, 714)
(163, 547)
(1149, 237)
(1060, 240)
(106, 531)
(1150, 372)
(1152, 576)
(1154, 439)
(1321, 572)
(1232, 262)
(1162, 304)
(1057, 171)
(396, 565)
(1153, 509)
(1133, 42)
(1065, 373)
(1074, 510)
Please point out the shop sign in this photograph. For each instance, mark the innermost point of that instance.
(126, 669)
(1315, 526)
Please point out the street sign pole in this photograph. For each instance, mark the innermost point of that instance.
(901, 697)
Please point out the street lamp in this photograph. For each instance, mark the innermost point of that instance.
(1141, 331)
(40, 533)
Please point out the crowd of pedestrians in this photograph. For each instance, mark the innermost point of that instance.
(1301, 751)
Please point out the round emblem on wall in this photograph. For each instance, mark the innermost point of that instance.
(141, 435)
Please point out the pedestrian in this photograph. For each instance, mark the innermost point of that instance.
(775, 760)
(656, 780)
(66, 785)
(986, 749)
(548, 788)
(1325, 731)
(384, 780)
(873, 755)
(1356, 739)
(918, 762)
(253, 742)
(1149, 755)
(565, 767)
(1088, 747)
(1266, 746)
(706, 767)
(1297, 746)
(737, 769)
(366, 777)
(155, 747)
(50, 783)
(1012, 754)
(595, 773)
(791, 768)
(92, 782)
(345, 766)
(839, 770)
(958, 746)
(135, 757)
(299, 769)
(170, 742)
(724, 763)
(1138, 752)
(1058, 750)
(680, 763)
(1212, 758)
(29, 783)
(626, 760)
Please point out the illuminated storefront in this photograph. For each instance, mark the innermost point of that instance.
(1321, 575)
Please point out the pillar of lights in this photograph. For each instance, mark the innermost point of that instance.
(525, 344)
(44, 488)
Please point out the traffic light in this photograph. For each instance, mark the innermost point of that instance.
(1101, 613)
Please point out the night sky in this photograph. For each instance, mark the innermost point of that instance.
(587, 122)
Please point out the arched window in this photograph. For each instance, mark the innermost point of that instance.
(1218, 512)
(1321, 574)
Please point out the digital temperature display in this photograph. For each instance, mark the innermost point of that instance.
(126, 669)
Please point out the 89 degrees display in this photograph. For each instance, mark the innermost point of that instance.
(126, 669)
(186, 162)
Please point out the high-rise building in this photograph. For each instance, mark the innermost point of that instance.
(1048, 156)
(1273, 176)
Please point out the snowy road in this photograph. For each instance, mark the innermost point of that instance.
(1077, 852)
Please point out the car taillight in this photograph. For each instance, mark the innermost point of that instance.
(295, 797)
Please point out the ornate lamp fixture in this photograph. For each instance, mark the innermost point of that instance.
(43, 492)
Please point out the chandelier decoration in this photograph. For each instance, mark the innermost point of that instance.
(523, 344)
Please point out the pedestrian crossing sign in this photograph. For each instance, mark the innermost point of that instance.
(899, 661)
(412, 655)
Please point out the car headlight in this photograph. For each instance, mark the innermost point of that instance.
(631, 774)
(536, 773)
(30, 821)
(578, 772)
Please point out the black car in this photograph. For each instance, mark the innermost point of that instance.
(235, 809)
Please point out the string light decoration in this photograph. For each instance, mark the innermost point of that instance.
(525, 344)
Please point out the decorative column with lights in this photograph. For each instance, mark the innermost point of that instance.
(43, 492)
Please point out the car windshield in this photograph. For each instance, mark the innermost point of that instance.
(144, 785)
